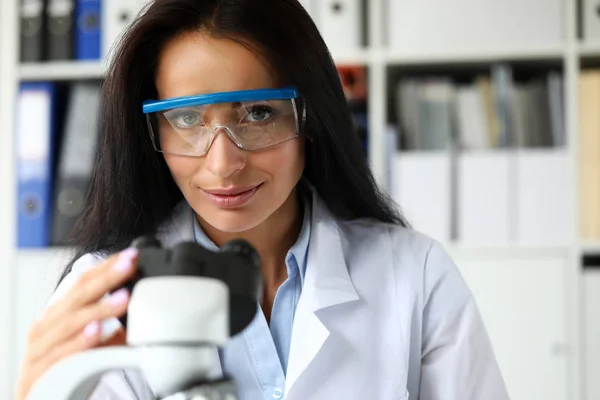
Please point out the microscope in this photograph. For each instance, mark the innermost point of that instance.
(185, 302)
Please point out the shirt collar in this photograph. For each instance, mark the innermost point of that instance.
(296, 256)
(295, 259)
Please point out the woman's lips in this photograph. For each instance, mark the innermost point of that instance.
(231, 197)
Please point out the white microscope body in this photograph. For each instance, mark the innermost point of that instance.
(175, 321)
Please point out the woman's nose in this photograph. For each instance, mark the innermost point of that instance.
(224, 158)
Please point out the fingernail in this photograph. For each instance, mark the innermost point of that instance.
(125, 260)
(119, 297)
(129, 254)
(92, 329)
(122, 265)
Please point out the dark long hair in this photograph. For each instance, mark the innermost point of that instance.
(132, 191)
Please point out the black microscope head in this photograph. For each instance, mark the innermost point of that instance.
(237, 265)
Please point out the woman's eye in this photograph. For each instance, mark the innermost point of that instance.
(259, 114)
(186, 120)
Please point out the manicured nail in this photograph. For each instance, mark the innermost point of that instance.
(119, 297)
(125, 260)
(129, 254)
(92, 329)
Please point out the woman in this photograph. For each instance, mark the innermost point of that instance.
(225, 119)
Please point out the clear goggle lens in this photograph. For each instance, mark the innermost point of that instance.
(252, 125)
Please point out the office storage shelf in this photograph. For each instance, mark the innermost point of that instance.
(472, 56)
(589, 49)
(56, 71)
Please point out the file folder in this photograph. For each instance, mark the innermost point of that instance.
(60, 15)
(76, 160)
(485, 197)
(32, 29)
(544, 204)
(88, 18)
(35, 149)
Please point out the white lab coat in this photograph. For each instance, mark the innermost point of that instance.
(384, 314)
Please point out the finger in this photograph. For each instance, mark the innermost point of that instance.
(94, 284)
(114, 305)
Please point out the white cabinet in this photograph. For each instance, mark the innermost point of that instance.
(435, 25)
(523, 306)
(591, 332)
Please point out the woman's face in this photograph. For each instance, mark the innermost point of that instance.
(198, 64)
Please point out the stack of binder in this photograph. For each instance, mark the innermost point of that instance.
(62, 30)
(56, 152)
(485, 162)
(492, 111)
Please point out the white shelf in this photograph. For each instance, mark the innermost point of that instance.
(590, 49)
(64, 70)
(590, 247)
(475, 55)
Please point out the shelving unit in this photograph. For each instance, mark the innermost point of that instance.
(589, 49)
(8, 271)
(55, 71)
(474, 56)
(565, 259)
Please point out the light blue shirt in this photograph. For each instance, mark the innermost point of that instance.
(258, 357)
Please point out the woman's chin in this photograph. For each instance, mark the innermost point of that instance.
(230, 221)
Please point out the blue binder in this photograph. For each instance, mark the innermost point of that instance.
(88, 17)
(35, 150)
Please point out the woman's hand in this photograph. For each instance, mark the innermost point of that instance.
(72, 324)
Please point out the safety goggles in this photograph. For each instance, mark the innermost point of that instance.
(252, 119)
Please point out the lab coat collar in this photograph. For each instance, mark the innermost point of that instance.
(327, 280)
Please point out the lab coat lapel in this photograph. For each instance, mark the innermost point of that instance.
(326, 284)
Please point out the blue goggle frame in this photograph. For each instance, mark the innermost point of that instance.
(286, 93)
